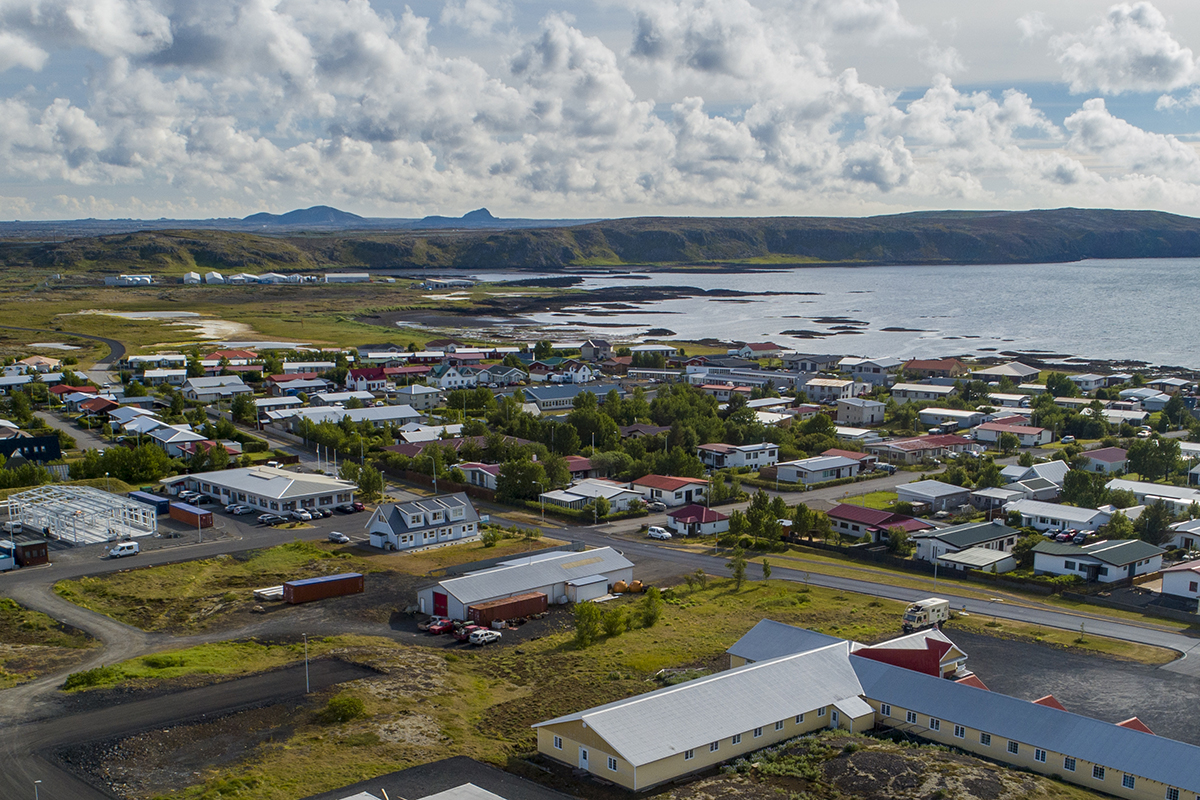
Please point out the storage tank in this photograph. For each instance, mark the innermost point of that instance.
(302, 591)
(620, 587)
(636, 586)
(196, 517)
(522, 605)
(161, 504)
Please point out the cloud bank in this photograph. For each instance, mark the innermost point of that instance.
(227, 107)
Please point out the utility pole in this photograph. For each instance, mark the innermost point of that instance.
(307, 685)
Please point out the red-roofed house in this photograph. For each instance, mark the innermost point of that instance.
(580, 468)
(63, 389)
(1182, 580)
(1027, 435)
(481, 474)
(853, 521)
(1135, 724)
(936, 368)
(232, 355)
(919, 448)
(1050, 701)
(368, 379)
(927, 651)
(98, 405)
(696, 520)
(1106, 459)
(866, 461)
(669, 490)
(758, 350)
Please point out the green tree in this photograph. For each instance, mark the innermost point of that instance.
(1153, 458)
(1118, 527)
(1009, 443)
(802, 521)
(1154, 524)
(651, 608)
(1059, 385)
(1023, 549)
(899, 543)
(370, 482)
(1084, 489)
(613, 621)
(737, 568)
(342, 709)
(587, 624)
(543, 349)
(766, 570)
(135, 389)
(520, 479)
(1025, 459)
(242, 409)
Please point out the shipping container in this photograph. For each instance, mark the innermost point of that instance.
(522, 605)
(302, 591)
(196, 517)
(162, 505)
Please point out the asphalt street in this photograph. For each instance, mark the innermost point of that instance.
(26, 751)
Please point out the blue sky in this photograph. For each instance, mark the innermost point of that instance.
(151, 108)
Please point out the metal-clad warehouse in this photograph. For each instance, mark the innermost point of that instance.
(559, 576)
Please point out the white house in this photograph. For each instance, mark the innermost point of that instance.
(1027, 435)
(859, 411)
(1088, 383)
(422, 398)
(1103, 562)
(580, 493)
(874, 371)
(172, 438)
(1177, 498)
(978, 558)
(933, 544)
(479, 474)
(158, 377)
(755, 456)
(1052, 516)
(960, 418)
(318, 399)
(1106, 459)
(818, 469)
(213, 277)
(820, 390)
(696, 520)
(669, 490)
(447, 377)
(1187, 534)
(208, 390)
(921, 392)
(756, 350)
(427, 521)
(1014, 370)
(1182, 580)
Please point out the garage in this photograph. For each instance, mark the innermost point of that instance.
(583, 589)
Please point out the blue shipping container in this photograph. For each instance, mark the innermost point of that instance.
(161, 504)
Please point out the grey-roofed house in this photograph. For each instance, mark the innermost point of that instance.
(979, 558)
(558, 575)
(427, 521)
(991, 535)
(818, 469)
(208, 390)
(939, 496)
(770, 639)
(1052, 516)
(559, 398)
(1103, 562)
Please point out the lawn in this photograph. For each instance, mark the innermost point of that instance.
(879, 500)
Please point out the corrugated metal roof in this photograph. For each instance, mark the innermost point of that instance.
(1154, 757)
(516, 578)
(963, 536)
(770, 639)
(853, 707)
(659, 724)
(468, 791)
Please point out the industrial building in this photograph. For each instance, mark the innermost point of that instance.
(268, 488)
(561, 577)
(81, 515)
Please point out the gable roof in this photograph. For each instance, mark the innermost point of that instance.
(521, 575)
(667, 483)
(1107, 455)
(666, 722)
(1118, 553)
(770, 639)
(696, 513)
(964, 536)
(932, 488)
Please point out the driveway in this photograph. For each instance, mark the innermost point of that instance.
(85, 439)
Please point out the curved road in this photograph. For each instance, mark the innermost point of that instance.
(116, 350)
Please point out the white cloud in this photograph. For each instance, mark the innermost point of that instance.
(1033, 25)
(1130, 50)
(1125, 148)
(480, 18)
(17, 51)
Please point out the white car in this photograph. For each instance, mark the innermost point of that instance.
(655, 532)
(300, 514)
(484, 637)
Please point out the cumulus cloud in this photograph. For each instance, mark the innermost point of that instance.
(1130, 50)
(479, 18)
(1033, 26)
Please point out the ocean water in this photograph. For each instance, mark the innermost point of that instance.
(1119, 309)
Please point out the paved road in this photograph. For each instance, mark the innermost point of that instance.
(116, 350)
(85, 439)
(24, 749)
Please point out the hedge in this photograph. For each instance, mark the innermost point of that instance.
(579, 514)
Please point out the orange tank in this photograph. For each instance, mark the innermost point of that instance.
(620, 587)
(636, 586)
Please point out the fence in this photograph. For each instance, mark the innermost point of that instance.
(1151, 610)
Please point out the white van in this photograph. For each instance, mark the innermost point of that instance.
(123, 549)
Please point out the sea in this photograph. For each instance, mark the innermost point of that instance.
(1104, 309)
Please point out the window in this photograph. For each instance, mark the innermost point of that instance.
(558, 743)
(757, 732)
(612, 763)
(885, 709)
(779, 725)
(1069, 764)
(1172, 793)
(821, 711)
(1127, 781)
(799, 718)
(737, 739)
(1039, 755)
(959, 732)
(1013, 747)
(935, 724)
(911, 717)
(1069, 565)
(1098, 772)
(1192, 586)
(714, 747)
(688, 755)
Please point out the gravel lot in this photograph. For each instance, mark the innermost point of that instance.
(1094, 686)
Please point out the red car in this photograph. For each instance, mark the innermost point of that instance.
(464, 633)
(441, 626)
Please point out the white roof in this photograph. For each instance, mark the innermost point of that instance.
(271, 482)
(163, 373)
(953, 413)
(932, 388)
(526, 575)
(820, 462)
(1036, 508)
(931, 488)
(342, 397)
(653, 726)
(468, 791)
(978, 557)
(371, 413)
(1143, 489)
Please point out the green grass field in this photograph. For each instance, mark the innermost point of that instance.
(33, 644)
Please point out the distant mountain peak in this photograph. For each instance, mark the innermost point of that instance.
(478, 215)
(317, 215)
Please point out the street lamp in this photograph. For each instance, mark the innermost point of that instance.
(35, 790)
(307, 686)
(542, 497)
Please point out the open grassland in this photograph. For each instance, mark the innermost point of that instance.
(33, 644)
(219, 592)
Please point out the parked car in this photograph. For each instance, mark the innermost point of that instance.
(340, 538)
(655, 532)
(484, 637)
(656, 505)
(1065, 536)
(271, 519)
(349, 508)
(441, 626)
(201, 500)
(124, 549)
(888, 468)
(1067, 440)
(464, 633)
(239, 509)
(357, 506)
(1079, 538)
(300, 514)
(424, 625)
(324, 512)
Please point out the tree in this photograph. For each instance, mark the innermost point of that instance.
(135, 389)
(1154, 524)
(520, 479)
(242, 409)
(1118, 527)
(802, 521)
(543, 349)
(898, 542)
(989, 476)
(651, 607)
(1084, 489)
(370, 482)
(613, 621)
(1025, 459)
(1023, 549)
(739, 526)
(587, 624)
(766, 570)
(737, 567)
(1009, 442)
(1153, 458)
(1059, 385)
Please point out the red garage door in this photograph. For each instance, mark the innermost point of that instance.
(439, 604)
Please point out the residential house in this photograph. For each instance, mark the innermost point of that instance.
(853, 522)
(995, 535)
(1089, 382)
(1027, 435)
(981, 559)
(1182, 580)
(319, 399)
(919, 448)
(936, 368)
(1014, 370)
(15, 442)
(367, 379)
(859, 411)
(1186, 534)
(421, 398)
(757, 350)
(664, 350)
(1177, 498)
(482, 475)
(725, 391)
(1040, 489)
(755, 456)
(805, 362)
(921, 392)
(937, 495)
(172, 438)
(670, 491)
(221, 387)
(993, 498)
(500, 375)
(416, 432)
(821, 390)
(581, 468)
(379, 416)
(596, 350)
(1110, 460)
(570, 575)
(951, 418)
(639, 430)
(696, 520)
(97, 406)
(562, 398)
(160, 377)
(817, 469)
(1054, 471)
(1005, 400)
(873, 371)
(1164, 385)
(1054, 517)
(300, 385)
(866, 461)
(41, 364)
(157, 361)
(581, 493)
(426, 521)
(1103, 562)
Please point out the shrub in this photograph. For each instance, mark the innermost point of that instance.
(342, 708)
(162, 661)
(613, 621)
(92, 677)
(587, 624)
(255, 446)
(490, 537)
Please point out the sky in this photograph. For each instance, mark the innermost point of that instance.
(595, 108)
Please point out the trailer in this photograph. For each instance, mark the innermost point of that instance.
(308, 589)
(196, 517)
(522, 605)
(162, 505)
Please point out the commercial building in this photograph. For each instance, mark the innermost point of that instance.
(419, 523)
(1177, 498)
(268, 488)
(560, 576)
